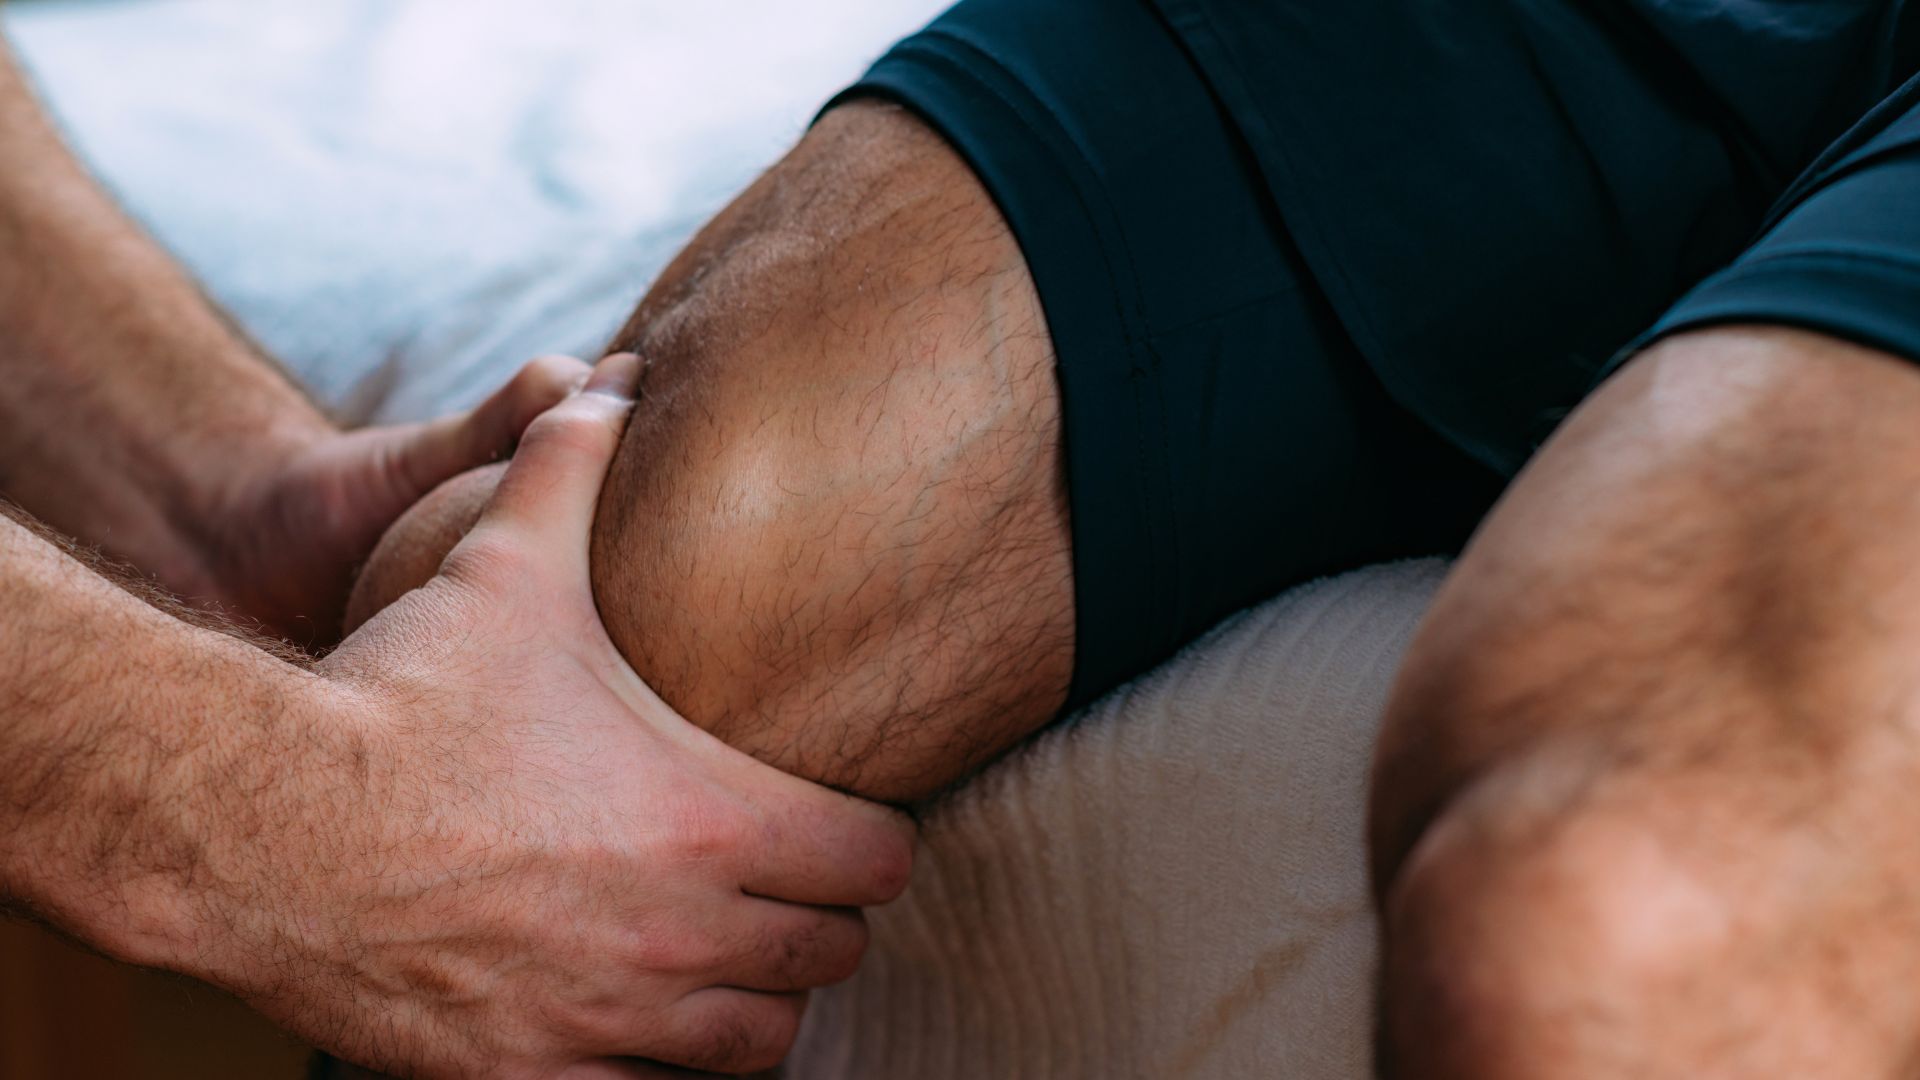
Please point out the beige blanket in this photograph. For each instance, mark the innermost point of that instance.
(1171, 885)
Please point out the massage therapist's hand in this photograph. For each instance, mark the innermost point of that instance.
(136, 419)
(303, 511)
(537, 868)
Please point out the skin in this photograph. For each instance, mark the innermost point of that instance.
(136, 419)
(510, 891)
(470, 841)
(1644, 800)
(836, 534)
(1643, 804)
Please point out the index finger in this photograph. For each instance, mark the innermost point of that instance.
(817, 846)
(551, 488)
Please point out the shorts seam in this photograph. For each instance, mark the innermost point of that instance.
(970, 69)
(1811, 254)
(1080, 193)
(1143, 358)
(1707, 306)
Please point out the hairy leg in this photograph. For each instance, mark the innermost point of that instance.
(1648, 797)
(837, 533)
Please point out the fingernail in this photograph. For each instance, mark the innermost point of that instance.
(617, 376)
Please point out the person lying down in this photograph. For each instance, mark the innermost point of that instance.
(1075, 326)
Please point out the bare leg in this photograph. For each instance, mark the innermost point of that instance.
(837, 533)
(1648, 798)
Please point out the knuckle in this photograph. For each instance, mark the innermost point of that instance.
(668, 947)
(709, 830)
(487, 564)
(546, 379)
(831, 954)
(575, 425)
(876, 863)
(746, 1038)
(853, 949)
(572, 1024)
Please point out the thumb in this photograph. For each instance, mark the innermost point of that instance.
(439, 450)
(547, 496)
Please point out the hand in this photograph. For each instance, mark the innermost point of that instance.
(535, 868)
(290, 534)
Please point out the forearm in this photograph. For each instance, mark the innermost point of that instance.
(128, 400)
(467, 842)
(129, 742)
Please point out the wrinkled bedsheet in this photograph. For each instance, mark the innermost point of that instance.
(404, 199)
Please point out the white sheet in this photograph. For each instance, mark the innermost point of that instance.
(406, 198)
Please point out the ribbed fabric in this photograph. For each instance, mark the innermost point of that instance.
(1198, 359)
(1173, 884)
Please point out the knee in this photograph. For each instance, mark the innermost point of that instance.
(1532, 901)
(1568, 823)
(1534, 926)
(836, 535)
(1652, 666)
(836, 581)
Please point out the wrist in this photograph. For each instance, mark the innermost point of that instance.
(227, 480)
(304, 776)
(209, 870)
(133, 409)
(154, 482)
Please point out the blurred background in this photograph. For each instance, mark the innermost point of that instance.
(402, 200)
(65, 1013)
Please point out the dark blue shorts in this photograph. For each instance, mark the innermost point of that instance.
(1321, 276)
(1840, 254)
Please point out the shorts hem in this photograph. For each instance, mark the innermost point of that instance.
(1122, 524)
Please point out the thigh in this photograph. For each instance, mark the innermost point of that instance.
(837, 533)
(1731, 507)
(1644, 796)
(1223, 437)
(874, 523)
(1708, 572)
